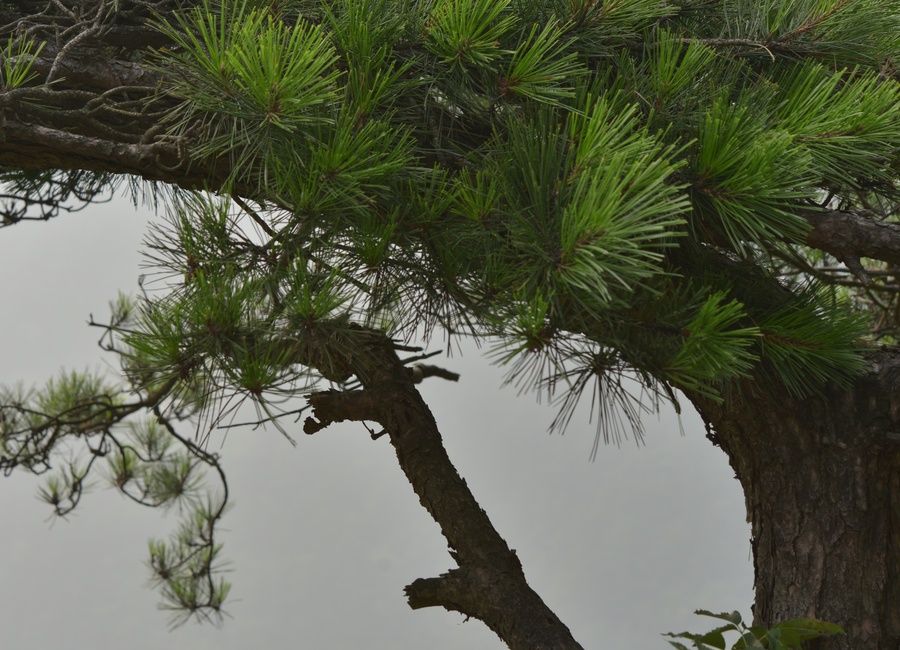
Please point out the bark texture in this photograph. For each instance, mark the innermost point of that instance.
(104, 108)
(821, 478)
(489, 583)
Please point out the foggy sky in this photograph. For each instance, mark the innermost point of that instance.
(323, 537)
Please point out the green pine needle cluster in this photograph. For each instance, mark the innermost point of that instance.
(527, 171)
(616, 194)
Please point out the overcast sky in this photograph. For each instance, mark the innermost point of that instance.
(323, 537)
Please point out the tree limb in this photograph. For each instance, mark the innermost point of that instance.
(463, 590)
(850, 235)
(489, 584)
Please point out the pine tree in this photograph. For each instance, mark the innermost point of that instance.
(688, 200)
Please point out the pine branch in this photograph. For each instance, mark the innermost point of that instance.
(853, 234)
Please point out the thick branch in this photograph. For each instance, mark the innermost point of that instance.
(489, 584)
(47, 143)
(90, 71)
(472, 589)
(38, 148)
(852, 235)
(102, 110)
(338, 406)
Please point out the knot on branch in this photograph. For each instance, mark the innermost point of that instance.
(486, 594)
(420, 371)
(311, 425)
(337, 406)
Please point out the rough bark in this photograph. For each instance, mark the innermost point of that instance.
(103, 107)
(851, 235)
(488, 583)
(821, 478)
(820, 475)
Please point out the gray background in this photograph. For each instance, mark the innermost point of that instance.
(324, 536)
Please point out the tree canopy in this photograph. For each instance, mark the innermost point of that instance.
(625, 199)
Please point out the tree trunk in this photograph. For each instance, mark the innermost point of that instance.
(821, 478)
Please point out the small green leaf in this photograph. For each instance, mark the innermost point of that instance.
(680, 646)
(750, 639)
(732, 617)
(715, 638)
(798, 630)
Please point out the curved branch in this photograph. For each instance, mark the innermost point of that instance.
(489, 584)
